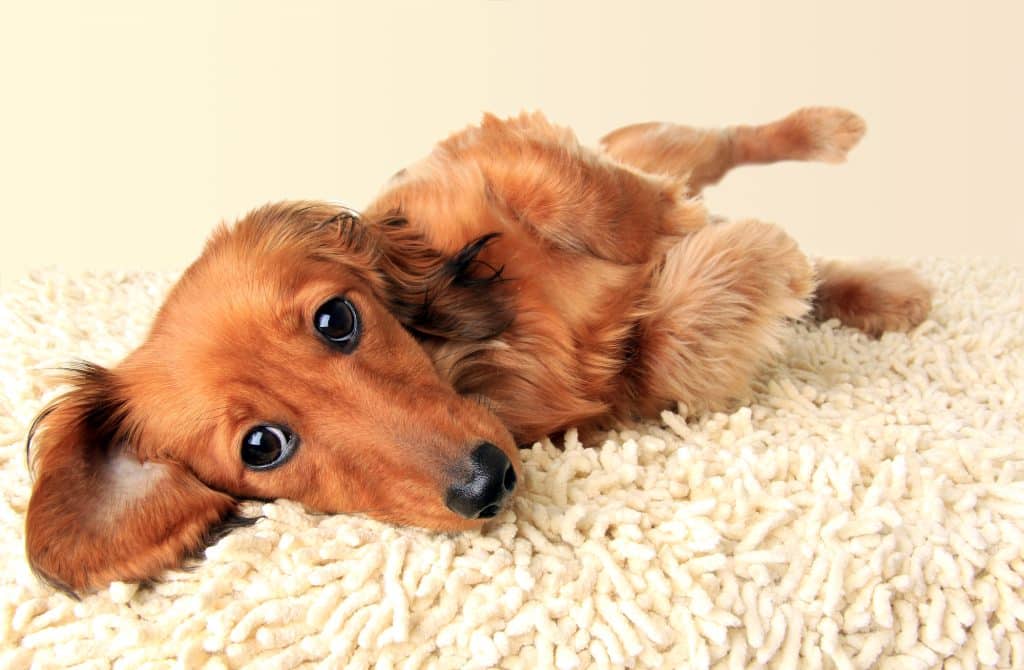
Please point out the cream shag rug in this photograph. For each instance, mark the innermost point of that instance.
(866, 510)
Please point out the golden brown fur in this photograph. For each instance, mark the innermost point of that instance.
(512, 284)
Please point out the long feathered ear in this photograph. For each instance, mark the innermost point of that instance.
(97, 513)
(456, 297)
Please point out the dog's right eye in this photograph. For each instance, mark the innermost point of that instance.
(267, 446)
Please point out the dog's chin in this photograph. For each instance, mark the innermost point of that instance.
(461, 525)
(447, 522)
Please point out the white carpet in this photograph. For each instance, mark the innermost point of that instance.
(867, 510)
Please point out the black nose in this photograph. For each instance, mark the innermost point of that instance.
(486, 477)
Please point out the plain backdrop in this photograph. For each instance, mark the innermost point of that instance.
(129, 129)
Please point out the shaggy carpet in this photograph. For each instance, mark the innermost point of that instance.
(866, 509)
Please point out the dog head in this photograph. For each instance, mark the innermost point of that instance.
(280, 366)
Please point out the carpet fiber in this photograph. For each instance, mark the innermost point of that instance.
(866, 509)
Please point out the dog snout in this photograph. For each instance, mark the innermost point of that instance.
(486, 478)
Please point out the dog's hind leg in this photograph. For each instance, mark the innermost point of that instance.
(871, 295)
(715, 314)
(705, 155)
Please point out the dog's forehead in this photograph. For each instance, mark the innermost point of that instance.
(248, 301)
(286, 245)
(240, 268)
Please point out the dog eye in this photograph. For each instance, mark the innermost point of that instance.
(338, 322)
(267, 446)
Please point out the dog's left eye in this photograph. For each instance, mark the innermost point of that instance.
(337, 321)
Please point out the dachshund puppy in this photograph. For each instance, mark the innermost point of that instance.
(511, 285)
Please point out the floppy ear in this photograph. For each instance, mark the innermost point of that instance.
(97, 513)
(455, 297)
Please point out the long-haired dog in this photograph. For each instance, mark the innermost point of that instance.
(512, 284)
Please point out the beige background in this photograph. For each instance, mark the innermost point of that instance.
(129, 129)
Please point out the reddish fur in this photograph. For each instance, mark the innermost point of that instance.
(874, 297)
(608, 294)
